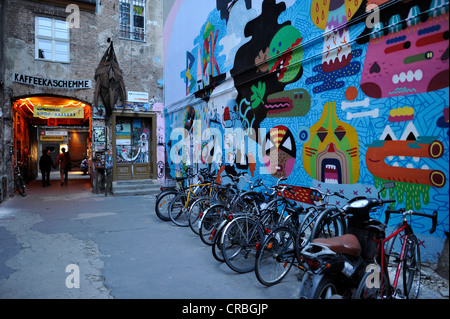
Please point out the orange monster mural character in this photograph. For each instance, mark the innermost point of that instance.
(331, 154)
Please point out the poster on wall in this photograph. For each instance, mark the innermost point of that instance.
(99, 136)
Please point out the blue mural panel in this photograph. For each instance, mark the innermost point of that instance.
(338, 95)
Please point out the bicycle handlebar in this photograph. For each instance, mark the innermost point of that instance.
(405, 212)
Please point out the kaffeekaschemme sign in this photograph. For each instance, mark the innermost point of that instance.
(59, 84)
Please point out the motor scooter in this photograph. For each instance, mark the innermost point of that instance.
(334, 266)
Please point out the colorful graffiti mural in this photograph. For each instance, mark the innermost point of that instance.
(335, 95)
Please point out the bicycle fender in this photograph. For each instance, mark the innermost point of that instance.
(309, 285)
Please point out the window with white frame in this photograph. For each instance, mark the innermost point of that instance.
(52, 40)
(132, 19)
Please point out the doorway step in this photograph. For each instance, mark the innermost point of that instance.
(136, 187)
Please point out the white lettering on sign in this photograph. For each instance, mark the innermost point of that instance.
(60, 84)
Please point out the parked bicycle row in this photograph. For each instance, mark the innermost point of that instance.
(256, 227)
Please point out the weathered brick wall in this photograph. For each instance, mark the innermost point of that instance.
(141, 62)
(20, 48)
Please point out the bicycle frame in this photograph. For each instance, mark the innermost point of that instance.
(384, 267)
(196, 186)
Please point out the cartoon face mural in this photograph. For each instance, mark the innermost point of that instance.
(331, 154)
(279, 151)
(389, 159)
(288, 103)
(285, 54)
(285, 61)
(409, 61)
(331, 15)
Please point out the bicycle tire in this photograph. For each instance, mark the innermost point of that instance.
(239, 243)
(411, 268)
(210, 222)
(178, 212)
(162, 204)
(275, 256)
(304, 233)
(329, 224)
(21, 187)
(217, 244)
(195, 211)
(368, 289)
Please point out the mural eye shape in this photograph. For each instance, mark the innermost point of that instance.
(287, 144)
(375, 68)
(388, 134)
(321, 135)
(410, 133)
(269, 145)
(340, 133)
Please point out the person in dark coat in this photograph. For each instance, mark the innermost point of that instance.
(45, 165)
(65, 165)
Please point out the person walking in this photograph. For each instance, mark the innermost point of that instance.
(45, 165)
(65, 165)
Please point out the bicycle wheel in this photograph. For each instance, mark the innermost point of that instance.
(275, 256)
(217, 243)
(21, 187)
(370, 287)
(304, 232)
(239, 243)
(411, 268)
(210, 221)
(329, 224)
(178, 210)
(162, 204)
(195, 210)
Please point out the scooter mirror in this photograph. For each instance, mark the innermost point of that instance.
(385, 186)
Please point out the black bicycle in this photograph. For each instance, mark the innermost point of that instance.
(19, 180)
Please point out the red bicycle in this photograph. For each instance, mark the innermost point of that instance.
(377, 283)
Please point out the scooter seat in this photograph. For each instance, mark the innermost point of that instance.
(346, 244)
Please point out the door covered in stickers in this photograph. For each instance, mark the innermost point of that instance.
(133, 148)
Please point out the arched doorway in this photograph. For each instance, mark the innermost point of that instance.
(52, 122)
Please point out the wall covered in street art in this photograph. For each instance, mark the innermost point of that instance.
(340, 95)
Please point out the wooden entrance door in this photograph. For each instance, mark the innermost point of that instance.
(133, 146)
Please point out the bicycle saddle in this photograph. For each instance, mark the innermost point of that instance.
(346, 244)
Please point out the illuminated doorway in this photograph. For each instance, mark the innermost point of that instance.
(51, 122)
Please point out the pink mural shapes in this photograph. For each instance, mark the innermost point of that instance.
(413, 60)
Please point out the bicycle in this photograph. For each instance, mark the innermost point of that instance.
(215, 217)
(243, 235)
(166, 196)
(221, 195)
(19, 181)
(279, 251)
(180, 205)
(407, 262)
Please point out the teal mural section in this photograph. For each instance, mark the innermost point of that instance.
(334, 94)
